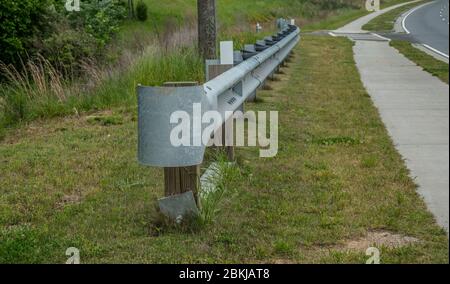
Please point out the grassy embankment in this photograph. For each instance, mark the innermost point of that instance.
(336, 182)
(340, 18)
(140, 45)
(385, 23)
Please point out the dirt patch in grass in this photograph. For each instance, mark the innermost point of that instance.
(68, 199)
(48, 127)
(105, 120)
(379, 239)
(282, 261)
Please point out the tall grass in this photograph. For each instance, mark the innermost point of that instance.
(41, 91)
(159, 50)
(37, 86)
(154, 68)
(223, 174)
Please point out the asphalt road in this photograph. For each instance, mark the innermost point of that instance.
(429, 25)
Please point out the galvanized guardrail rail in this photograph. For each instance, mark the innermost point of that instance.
(225, 93)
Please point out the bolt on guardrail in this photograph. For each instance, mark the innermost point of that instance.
(231, 81)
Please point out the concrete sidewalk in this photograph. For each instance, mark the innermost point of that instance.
(414, 107)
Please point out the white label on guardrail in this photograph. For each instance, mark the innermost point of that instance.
(226, 53)
(187, 135)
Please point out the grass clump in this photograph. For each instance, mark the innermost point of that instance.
(340, 140)
(141, 11)
(212, 191)
(42, 92)
(223, 172)
(105, 120)
(40, 84)
(191, 224)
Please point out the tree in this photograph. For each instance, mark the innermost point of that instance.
(141, 11)
(20, 22)
(207, 30)
(130, 9)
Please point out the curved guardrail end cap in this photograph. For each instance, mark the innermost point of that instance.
(156, 106)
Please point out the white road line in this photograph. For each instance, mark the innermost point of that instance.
(382, 37)
(408, 32)
(435, 50)
(409, 13)
(332, 34)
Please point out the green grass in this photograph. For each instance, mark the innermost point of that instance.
(21, 103)
(76, 182)
(236, 21)
(427, 62)
(238, 14)
(337, 175)
(386, 22)
(24, 104)
(388, 3)
(235, 13)
(336, 21)
(344, 16)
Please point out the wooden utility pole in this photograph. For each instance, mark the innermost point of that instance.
(207, 29)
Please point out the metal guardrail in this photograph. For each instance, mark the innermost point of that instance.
(225, 94)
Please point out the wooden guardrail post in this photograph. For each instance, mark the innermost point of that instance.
(179, 180)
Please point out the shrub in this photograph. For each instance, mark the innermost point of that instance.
(99, 19)
(20, 22)
(141, 11)
(67, 49)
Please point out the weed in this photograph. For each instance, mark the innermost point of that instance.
(340, 140)
(105, 120)
(223, 172)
